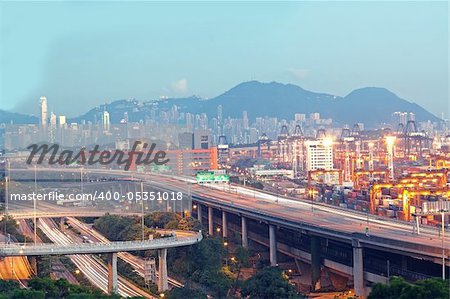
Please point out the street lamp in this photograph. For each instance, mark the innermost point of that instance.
(142, 212)
(443, 244)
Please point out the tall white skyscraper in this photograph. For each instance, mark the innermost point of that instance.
(52, 119)
(44, 108)
(245, 121)
(105, 120)
(219, 114)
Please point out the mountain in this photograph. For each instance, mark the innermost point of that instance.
(271, 99)
(7, 117)
(369, 105)
(136, 110)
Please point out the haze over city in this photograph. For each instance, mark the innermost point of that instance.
(82, 54)
(235, 150)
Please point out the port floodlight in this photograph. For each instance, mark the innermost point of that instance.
(328, 141)
(390, 140)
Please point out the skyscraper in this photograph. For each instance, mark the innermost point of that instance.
(62, 120)
(43, 120)
(399, 118)
(245, 122)
(219, 114)
(299, 117)
(52, 119)
(105, 120)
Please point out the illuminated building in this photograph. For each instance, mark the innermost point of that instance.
(319, 154)
(44, 116)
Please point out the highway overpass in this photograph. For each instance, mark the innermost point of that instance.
(111, 248)
(315, 221)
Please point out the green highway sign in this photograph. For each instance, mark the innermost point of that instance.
(211, 177)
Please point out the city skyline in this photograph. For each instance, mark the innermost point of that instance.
(379, 98)
(218, 149)
(73, 62)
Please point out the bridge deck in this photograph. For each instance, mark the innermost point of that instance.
(95, 248)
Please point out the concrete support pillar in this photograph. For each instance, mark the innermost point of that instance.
(163, 284)
(358, 269)
(112, 273)
(272, 245)
(316, 263)
(224, 225)
(33, 264)
(199, 213)
(244, 232)
(210, 221)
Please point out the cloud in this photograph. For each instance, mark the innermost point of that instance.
(180, 86)
(299, 74)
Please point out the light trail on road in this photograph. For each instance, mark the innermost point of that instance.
(136, 262)
(95, 271)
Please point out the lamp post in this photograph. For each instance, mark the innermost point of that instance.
(35, 206)
(443, 244)
(7, 179)
(142, 211)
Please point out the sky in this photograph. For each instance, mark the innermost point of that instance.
(82, 54)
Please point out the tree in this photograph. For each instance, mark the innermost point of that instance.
(202, 263)
(173, 224)
(9, 225)
(267, 284)
(183, 293)
(45, 288)
(242, 256)
(398, 288)
(242, 260)
(6, 285)
(189, 223)
(114, 227)
(29, 294)
(159, 219)
(44, 264)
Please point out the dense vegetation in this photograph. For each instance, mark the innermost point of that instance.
(398, 288)
(9, 226)
(118, 228)
(203, 264)
(269, 283)
(45, 288)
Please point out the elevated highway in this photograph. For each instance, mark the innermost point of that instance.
(136, 262)
(78, 251)
(102, 276)
(307, 218)
(17, 249)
